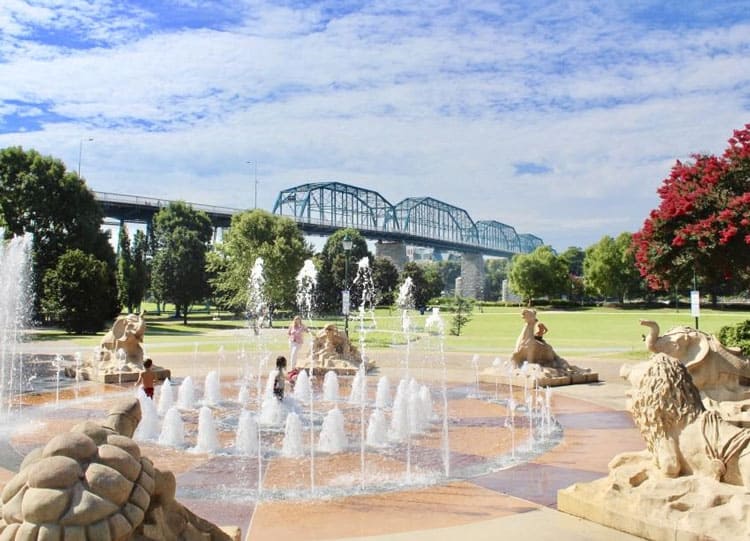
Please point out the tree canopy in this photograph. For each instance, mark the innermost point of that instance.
(332, 262)
(80, 293)
(609, 268)
(38, 196)
(254, 234)
(702, 225)
(181, 236)
(538, 274)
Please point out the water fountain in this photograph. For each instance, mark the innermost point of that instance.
(186, 394)
(15, 304)
(208, 438)
(173, 429)
(307, 281)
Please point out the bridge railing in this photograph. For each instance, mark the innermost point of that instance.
(136, 200)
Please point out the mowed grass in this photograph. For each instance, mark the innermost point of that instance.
(591, 332)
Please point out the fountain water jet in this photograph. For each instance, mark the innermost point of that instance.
(331, 387)
(186, 394)
(246, 440)
(291, 446)
(332, 434)
(166, 397)
(173, 429)
(15, 303)
(208, 438)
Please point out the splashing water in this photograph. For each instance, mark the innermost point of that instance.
(291, 447)
(246, 441)
(332, 434)
(15, 303)
(166, 397)
(208, 438)
(331, 387)
(173, 429)
(186, 394)
(256, 301)
(307, 282)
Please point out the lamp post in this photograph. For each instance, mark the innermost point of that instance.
(255, 175)
(80, 152)
(346, 243)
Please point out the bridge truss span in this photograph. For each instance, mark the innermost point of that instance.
(323, 207)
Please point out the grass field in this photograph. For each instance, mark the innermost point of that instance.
(591, 332)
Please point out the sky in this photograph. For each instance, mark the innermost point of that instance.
(560, 118)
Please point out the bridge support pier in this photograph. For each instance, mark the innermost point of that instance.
(395, 251)
(472, 275)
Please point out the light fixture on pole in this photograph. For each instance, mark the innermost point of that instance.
(80, 152)
(255, 175)
(346, 243)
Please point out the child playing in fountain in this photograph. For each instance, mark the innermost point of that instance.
(296, 333)
(278, 383)
(147, 378)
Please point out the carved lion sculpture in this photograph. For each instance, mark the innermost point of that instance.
(92, 484)
(717, 371)
(681, 436)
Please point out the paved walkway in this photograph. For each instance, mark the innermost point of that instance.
(517, 503)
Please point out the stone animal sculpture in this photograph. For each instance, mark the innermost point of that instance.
(331, 348)
(531, 350)
(717, 371)
(682, 437)
(92, 484)
(126, 334)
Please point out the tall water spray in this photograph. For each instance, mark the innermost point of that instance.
(15, 304)
(256, 301)
(307, 282)
(366, 286)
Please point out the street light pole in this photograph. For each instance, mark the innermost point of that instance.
(255, 174)
(80, 153)
(346, 243)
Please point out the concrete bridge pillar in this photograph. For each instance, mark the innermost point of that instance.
(472, 275)
(395, 251)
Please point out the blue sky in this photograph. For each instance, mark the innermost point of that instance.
(558, 118)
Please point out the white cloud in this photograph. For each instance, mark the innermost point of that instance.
(415, 100)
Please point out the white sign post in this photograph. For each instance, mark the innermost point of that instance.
(345, 302)
(695, 305)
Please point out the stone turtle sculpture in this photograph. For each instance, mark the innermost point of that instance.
(92, 484)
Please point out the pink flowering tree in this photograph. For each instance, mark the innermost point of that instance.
(702, 226)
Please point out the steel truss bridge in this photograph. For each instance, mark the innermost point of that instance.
(322, 208)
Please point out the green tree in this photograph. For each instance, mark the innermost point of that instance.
(38, 196)
(495, 271)
(182, 235)
(385, 278)
(426, 281)
(538, 274)
(254, 234)
(609, 268)
(80, 293)
(462, 308)
(124, 269)
(332, 262)
(449, 270)
(139, 281)
(573, 258)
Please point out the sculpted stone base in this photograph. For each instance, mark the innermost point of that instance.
(635, 498)
(544, 376)
(115, 377)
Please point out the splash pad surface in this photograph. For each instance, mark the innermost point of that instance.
(223, 486)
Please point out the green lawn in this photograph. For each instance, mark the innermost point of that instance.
(598, 332)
